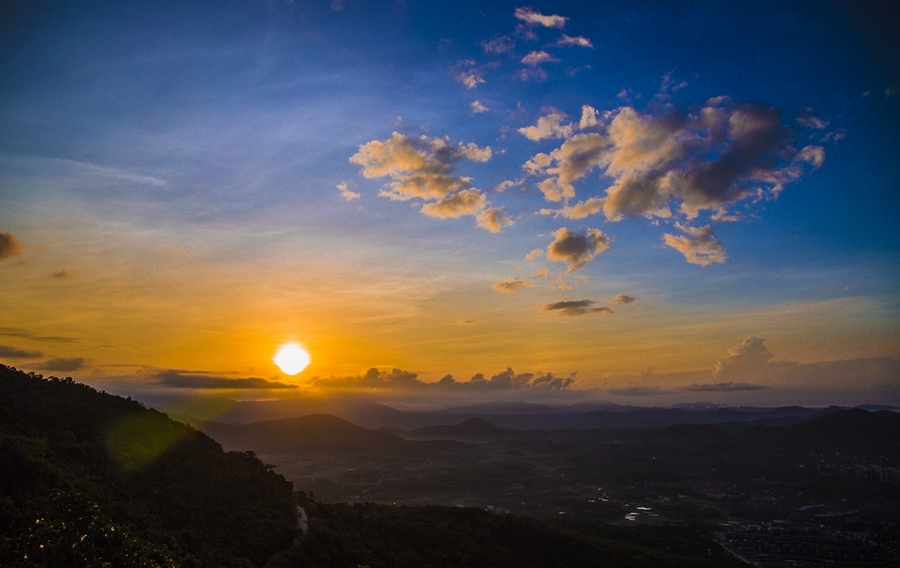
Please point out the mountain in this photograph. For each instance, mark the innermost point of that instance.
(473, 428)
(853, 426)
(313, 433)
(92, 479)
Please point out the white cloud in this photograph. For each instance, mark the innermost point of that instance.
(536, 58)
(477, 107)
(498, 45)
(530, 16)
(699, 245)
(346, 193)
(549, 125)
(422, 167)
(569, 41)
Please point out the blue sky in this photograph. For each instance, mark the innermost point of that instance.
(567, 189)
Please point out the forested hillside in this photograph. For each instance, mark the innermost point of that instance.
(91, 479)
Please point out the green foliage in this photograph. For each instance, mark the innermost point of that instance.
(88, 478)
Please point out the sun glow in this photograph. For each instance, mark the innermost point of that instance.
(291, 358)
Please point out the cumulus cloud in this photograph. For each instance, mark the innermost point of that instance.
(9, 245)
(577, 41)
(63, 364)
(541, 272)
(577, 249)
(549, 125)
(535, 254)
(536, 58)
(666, 161)
(623, 299)
(510, 286)
(180, 380)
(16, 353)
(575, 308)
(422, 167)
(398, 379)
(580, 210)
(494, 219)
(530, 16)
(750, 358)
(469, 76)
(698, 245)
(478, 108)
(346, 192)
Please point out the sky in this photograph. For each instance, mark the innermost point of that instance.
(647, 203)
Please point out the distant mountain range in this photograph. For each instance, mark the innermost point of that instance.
(516, 415)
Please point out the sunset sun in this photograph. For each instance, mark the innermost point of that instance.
(291, 358)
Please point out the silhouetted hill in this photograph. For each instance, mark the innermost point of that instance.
(472, 428)
(851, 426)
(311, 433)
(91, 479)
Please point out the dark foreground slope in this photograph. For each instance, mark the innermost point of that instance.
(385, 536)
(91, 479)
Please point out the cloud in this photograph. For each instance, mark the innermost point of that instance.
(346, 193)
(541, 272)
(502, 44)
(534, 74)
(665, 160)
(575, 308)
(569, 41)
(9, 245)
(510, 286)
(463, 202)
(494, 219)
(637, 391)
(398, 379)
(61, 275)
(471, 78)
(530, 16)
(623, 299)
(478, 108)
(580, 210)
(25, 334)
(536, 58)
(63, 364)
(723, 387)
(422, 167)
(699, 246)
(180, 380)
(535, 254)
(548, 126)
(15, 353)
(577, 249)
(567, 164)
(812, 122)
(750, 358)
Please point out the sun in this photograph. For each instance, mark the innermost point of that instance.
(291, 358)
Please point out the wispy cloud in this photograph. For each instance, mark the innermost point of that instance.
(181, 380)
(478, 108)
(346, 192)
(16, 353)
(63, 364)
(698, 245)
(510, 286)
(536, 58)
(577, 41)
(25, 334)
(530, 16)
(623, 299)
(575, 308)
